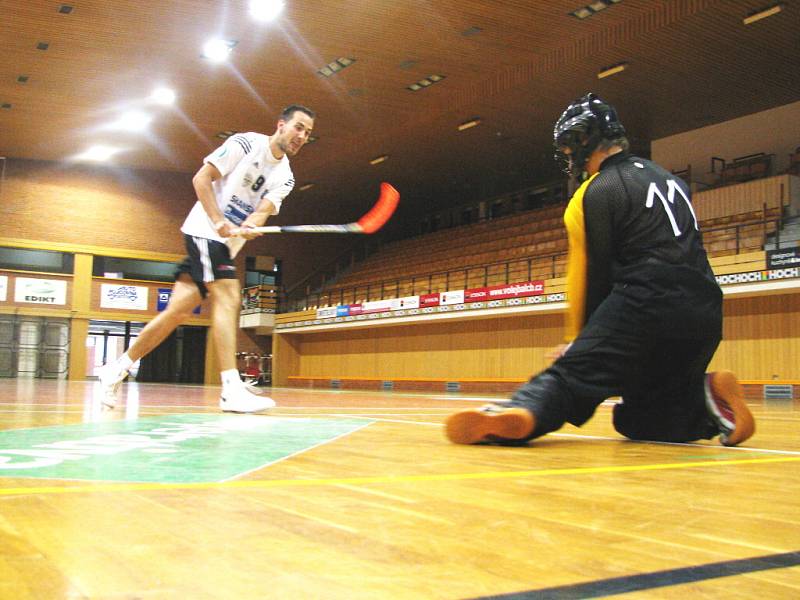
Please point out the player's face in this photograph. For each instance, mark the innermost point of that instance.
(294, 133)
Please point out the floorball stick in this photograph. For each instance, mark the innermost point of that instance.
(371, 222)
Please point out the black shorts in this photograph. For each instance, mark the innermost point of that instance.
(208, 260)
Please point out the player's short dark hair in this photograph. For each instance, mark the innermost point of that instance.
(289, 111)
(621, 141)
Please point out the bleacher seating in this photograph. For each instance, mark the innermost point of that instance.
(746, 168)
(528, 246)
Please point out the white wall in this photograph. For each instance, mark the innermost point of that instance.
(774, 131)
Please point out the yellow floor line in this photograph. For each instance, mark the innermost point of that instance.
(278, 483)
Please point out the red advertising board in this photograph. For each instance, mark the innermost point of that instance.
(506, 290)
(428, 300)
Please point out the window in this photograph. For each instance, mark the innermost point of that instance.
(45, 261)
(127, 268)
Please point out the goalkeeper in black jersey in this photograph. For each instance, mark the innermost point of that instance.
(644, 310)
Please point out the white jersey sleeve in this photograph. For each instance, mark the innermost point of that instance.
(226, 157)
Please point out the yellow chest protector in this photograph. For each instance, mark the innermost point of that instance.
(576, 262)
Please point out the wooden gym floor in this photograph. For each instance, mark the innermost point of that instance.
(358, 495)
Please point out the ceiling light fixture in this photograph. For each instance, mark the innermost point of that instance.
(224, 135)
(335, 66)
(425, 82)
(592, 8)
(762, 14)
(378, 159)
(217, 50)
(305, 187)
(469, 124)
(163, 95)
(608, 72)
(133, 120)
(266, 10)
(97, 153)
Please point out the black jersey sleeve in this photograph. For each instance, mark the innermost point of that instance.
(598, 210)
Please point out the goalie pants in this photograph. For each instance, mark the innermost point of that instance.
(661, 382)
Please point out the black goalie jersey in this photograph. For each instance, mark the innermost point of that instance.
(636, 254)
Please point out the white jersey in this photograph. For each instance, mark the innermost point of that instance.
(250, 173)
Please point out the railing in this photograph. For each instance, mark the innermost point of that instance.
(262, 298)
(726, 239)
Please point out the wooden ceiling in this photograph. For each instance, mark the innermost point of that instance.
(513, 63)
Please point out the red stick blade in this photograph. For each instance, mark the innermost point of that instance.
(382, 211)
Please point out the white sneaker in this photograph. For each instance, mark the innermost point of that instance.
(239, 399)
(111, 378)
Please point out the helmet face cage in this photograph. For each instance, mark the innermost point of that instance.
(580, 129)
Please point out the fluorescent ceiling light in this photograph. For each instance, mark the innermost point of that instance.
(598, 5)
(612, 70)
(469, 124)
(763, 14)
(265, 10)
(335, 66)
(305, 187)
(97, 153)
(379, 159)
(133, 120)
(425, 82)
(163, 96)
(217, 50)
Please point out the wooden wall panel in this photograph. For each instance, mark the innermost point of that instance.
(761, 340)
(508, 347)
(742, 198)
(761, 337)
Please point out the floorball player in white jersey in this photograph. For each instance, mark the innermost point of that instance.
(238, 187)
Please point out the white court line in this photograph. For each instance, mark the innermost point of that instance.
(302, 451)
(582, 436)
(377, 417)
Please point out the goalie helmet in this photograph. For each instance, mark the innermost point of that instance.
(580, 129)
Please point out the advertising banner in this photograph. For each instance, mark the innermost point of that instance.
(515, 290)
(376, 306)
(456, 297)
(328, 311)
(165, 293)
(40, 291)
(476, 295)
(426, 300)
(785, 257)
(132, 297)
(404, 303)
